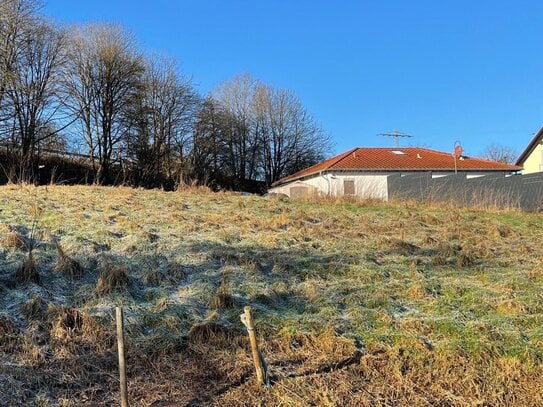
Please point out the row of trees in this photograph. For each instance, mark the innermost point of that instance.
(248, 130)
(90, 88)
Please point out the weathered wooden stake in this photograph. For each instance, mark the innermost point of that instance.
(122, 362)
(247, 319)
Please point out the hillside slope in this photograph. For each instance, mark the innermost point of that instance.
(355, 303)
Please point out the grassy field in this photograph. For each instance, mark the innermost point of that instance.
(355, 303)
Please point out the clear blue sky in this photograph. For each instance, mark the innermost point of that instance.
(441, 70)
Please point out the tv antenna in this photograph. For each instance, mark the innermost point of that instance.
(396, 135)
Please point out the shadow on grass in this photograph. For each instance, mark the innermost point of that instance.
(166, 301)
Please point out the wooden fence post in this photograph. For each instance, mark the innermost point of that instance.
(122, 362)
(247, 319)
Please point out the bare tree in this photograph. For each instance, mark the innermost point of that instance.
(241, 146)
(106, 69)
(16, 17)
(137, 114)
(209, 145)
(161, 121)
(32, 90)
(250, 132)
(500, 153)
(290, 139)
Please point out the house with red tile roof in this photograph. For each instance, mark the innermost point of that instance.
(364, 172)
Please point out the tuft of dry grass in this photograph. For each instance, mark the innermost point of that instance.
(13, 240)
(157, 273)
(27, 272)
(223, 298)
(466, 259)
(445, 249)
(7, 328)
(416, 291)
(65, 264)
(74, 333)
(68, 322)
(400, 246)
(191, 187)
(209, 331)
(10, 335)
(535, 272)
(511, 307)
(111, 279)
(34, 308)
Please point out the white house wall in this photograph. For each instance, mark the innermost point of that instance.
(365, 186)
(534, 162)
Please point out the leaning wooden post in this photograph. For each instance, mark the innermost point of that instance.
(122, 362)
(247, 319)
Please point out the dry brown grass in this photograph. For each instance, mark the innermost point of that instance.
(11, 337)
(27, 272)
(112, 278)
(66, 264)
(354, 303)
(409, 375)
(223, 298)
(416, 291)
(210, 331)
(191, 187)
(8, 329)
(536, 272)
(426, 377)
(13, 240)
(465, 259)
(69, 324)
(511, 307)
(34, 308)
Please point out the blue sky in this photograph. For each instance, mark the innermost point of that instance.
(441, 70)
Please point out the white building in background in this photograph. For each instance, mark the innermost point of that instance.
(363, 172)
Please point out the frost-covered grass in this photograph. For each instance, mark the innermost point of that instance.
(355, 302)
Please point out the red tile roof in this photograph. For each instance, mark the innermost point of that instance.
(399, 159)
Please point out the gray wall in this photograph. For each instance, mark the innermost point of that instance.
(522, 191)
